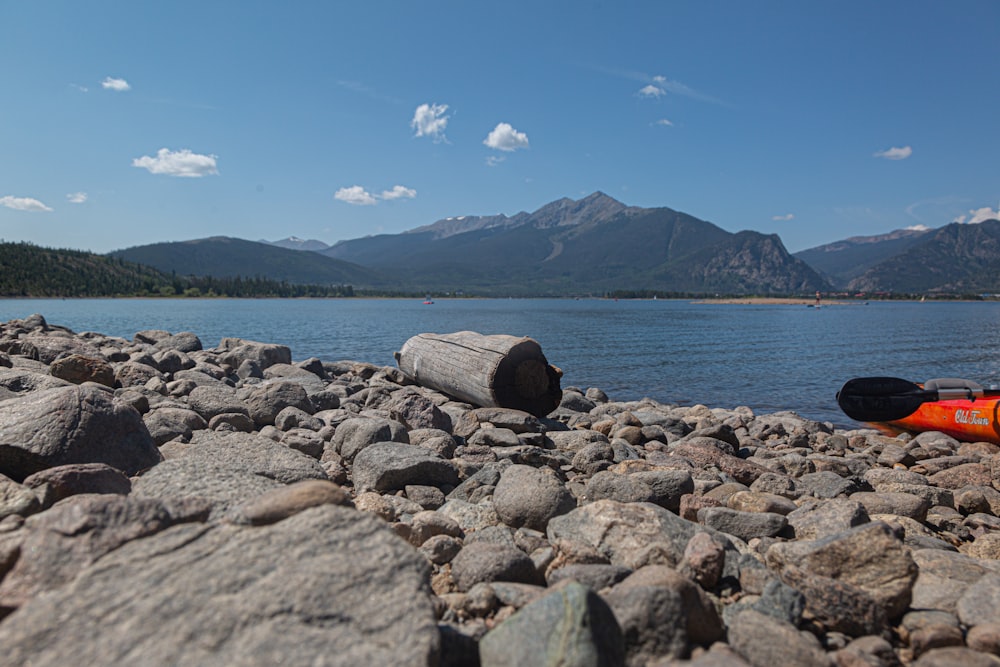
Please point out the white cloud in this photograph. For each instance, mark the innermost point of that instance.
(506, 138)
(76, 197)
(182, 163)
(494, 160)
(82, 89)
(664, 122)
(429, 120)
(398, 192)
(783, 218)
(356, 195)
(895, 153)
(652, 91)
(979, 215)
(117, 85)
(23, 203)
(917, 228)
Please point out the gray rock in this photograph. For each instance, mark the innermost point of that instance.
(836, 605)
(956, 656)
(766, 641)
(215, 399)
(944, 577)
(470, 517)
(231, 422)
(74, 424)
(781, 601)
(172, 361)
(234, 351)
(870, 557)
(267, 400)
(390, 466)
(493, 437)
(981, 601)
(480, 562)
(303, 440)
(667, 485)
(632, 534)
(293, 417)
(17, 499)
(18, 381)
(515, 420)
(63, 541)
(135, 374)
(593, 457)
(223, 486)
(571, 625)
(592, 575)
(900, 504)
(703, 452)
(815, 520)
(184, 341)
(440, 549)
(826, 484)
(622, 488)
(576, 439)
(54, 484)
(250, 452)
(293, 592)
(530, 497)
(653, 620)
(169, 423)
(744, 525)
(353, 435)
(416, 411)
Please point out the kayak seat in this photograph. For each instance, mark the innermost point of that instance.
(952, 383)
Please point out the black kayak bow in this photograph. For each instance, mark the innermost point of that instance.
(885, 399)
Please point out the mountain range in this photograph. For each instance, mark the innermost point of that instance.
(598, 245)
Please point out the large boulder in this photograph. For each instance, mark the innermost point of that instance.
(63, 541)
(632, 534)
(293, 592)
(869, 557)
(391, 466)
(234, 351)
(75, 424)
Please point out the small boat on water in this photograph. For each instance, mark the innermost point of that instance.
(963, 409)
(428, 301)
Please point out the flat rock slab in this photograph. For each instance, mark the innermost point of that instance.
(250, 452)
(223, 485)
(295, 592)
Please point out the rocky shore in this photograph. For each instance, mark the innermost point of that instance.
(161, 503)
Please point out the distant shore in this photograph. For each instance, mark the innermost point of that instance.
(781, 301)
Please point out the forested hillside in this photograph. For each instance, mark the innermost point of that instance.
(27, 270)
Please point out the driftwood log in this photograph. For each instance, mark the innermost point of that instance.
(488, 371)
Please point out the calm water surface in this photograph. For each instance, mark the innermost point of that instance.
(767, 357)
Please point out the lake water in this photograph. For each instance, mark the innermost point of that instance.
(767, 357)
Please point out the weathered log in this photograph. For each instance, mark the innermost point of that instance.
(488, 371)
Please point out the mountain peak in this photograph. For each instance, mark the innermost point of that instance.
(296, 243)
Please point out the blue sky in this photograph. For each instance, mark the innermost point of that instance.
(127, 123)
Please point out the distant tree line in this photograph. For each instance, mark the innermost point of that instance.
(27, 270)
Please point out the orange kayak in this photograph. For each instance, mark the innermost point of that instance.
(963, 409)
(962, 419)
